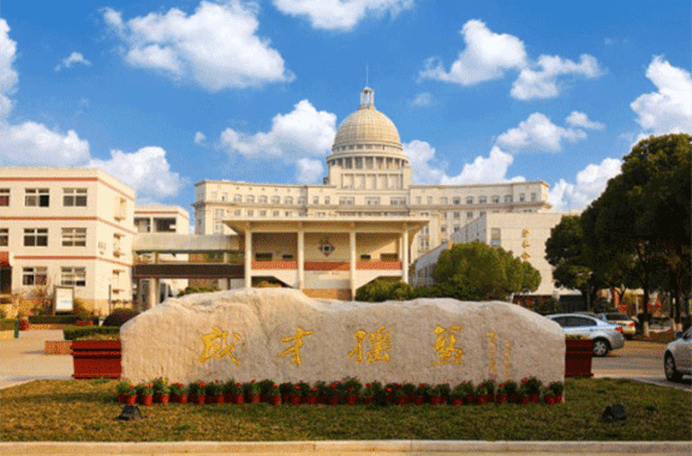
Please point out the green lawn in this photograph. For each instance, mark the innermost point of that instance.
(85, 410)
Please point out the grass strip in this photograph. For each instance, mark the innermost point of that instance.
(85, 410)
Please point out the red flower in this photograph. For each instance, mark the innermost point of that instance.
(350, 389)
(482, 385)
(297, 387)
(421, 385)
(524, 381)
(132, 387)
(502, 385)
(314, 389)
(389, 390)
(252, 381)
(238, 385)
(275, 386)
(202, 384)
(367, 385)
(332, 386)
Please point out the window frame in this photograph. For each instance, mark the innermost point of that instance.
(73, 236)
(77, 197)
(73, 276)
(36, 234)
(36, 197)
(38, 275)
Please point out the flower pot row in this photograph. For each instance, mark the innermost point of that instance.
(347, 392)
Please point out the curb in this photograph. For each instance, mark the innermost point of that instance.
(440, 447)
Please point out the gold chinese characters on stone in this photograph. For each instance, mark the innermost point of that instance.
(216, 346)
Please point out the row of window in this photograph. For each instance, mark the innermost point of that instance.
(69, 276)
(495, 199)
(38, 237)
(40, 197)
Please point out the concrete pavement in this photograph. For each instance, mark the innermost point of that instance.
(22, 360)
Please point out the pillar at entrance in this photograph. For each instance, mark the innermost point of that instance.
(352, 249)
(404, 259)
(301, 258)
(248, 258)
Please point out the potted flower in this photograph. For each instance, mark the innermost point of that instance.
(457, 394)
(131, 395)
(482, 394)
(490, 385)
(444, 391)
(228, 392)
(295, 395)
(251, 390)
(302, 392)
(523, 392)
(161, 391)
(311, 396)
(286, 389)
(512, 390)
(469, 393)
(274, 395)
(409, 391)
(237, 395)
(422, 392)
(147, 397)
(322, 392)
(179, 393)
(333, 396)
(533, 388)
(215, 392)
(264, 387)
(122, 389)
(557, 389)
(198, 392)
(501, 397)
(352, 390)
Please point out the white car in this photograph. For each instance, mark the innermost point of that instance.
(678, 358)
(606, 337)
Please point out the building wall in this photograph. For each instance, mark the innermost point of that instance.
(106, 218)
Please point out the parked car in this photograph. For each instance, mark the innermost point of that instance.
(605, 336)
(629, 327)
(678, 356)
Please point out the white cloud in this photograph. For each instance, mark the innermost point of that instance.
(421, 157)
(33, 144)
(538, 133)
(216, 47)
(422, 100)
(303, 132)
(200, 138)
(8, 75)
(485, 170)
(543, 83)
(580, 119)
(486, 57)
(147, 171)
(309, 171)
(669, 110)
(342, 15)
(75, 57)
(591, 181)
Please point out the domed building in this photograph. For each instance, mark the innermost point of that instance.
(367, 215)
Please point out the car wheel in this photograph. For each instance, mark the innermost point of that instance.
(672, 373)
(600, 347)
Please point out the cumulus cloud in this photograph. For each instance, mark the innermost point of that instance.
(422, 100)
(146, 170)
(541, 80)
(580, 119)
(8, 75)
(538, 133)
(669, 109)
(200, 138)
(485, 170)
(304, 132)
(216, 47)
(341, 15)
(309, 171)
(75, 57)
(32, 144)
(421, 156)
(489, 55)
(590, 183)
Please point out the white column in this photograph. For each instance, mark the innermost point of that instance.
(404, 262)
(152, 293)
(352, 248)
(248, 258)
(301, 257)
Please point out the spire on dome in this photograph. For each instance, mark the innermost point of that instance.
(367, 98)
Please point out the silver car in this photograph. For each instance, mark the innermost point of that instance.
(678, 357)
(629, 327)
(605, 336)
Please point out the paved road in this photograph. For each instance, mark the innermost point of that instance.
(22, 360)
(638, 360)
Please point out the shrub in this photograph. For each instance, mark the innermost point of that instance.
(6, 325)
(53, 319)
(383, 290)
(193, 290)
(78, 332)
(119, 317)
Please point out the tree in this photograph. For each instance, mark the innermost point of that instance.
(642, 219)
(477, 272)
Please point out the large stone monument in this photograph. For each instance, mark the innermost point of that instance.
(283, 335)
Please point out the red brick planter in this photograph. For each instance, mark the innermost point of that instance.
(96, 358)
(578, 358)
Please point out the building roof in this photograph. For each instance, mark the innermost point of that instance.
(366, 126)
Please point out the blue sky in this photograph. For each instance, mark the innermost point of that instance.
(163, 94)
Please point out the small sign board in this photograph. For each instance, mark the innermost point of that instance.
(64, 299)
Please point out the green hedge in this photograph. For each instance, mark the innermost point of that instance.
(6, 325)
(53, 319)
(75, 332)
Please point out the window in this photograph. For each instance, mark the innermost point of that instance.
(275, 213)
(321, 214)
(481, 213)
(533, 197)
(579, 321)
(456, 228)
(443, 229)
(263, 213)
(457, 215)
(73, 277)
(167, 225)
(34, 276)
(35, 237)
(522, 197)
(419, 200)
(302, 200)
(214, 196)
(263, 200)
(346, 201)
(276, 200)
(263, 256)
(469, 215)
(237, 212)
(36, 197)
(430, 200)
(237, 198)
(482, 200)
(218, 213)
(316, 200)
(496, 199)
(74, 237)
(372, 201)
(424, 245)
(469, 200)
(4, 196)
(4, 237)
(224, 196)
(117, 249)
(74, 197)
(250, 199)
(365, 257)
(250, 212)
(508, 198)
(443, 201)
(457, 201)
(398, 201)
(288, 200)
(143, 224)
(287, 256)
(218, 227)
(495, 237)
(326, 200)
(425, 231)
